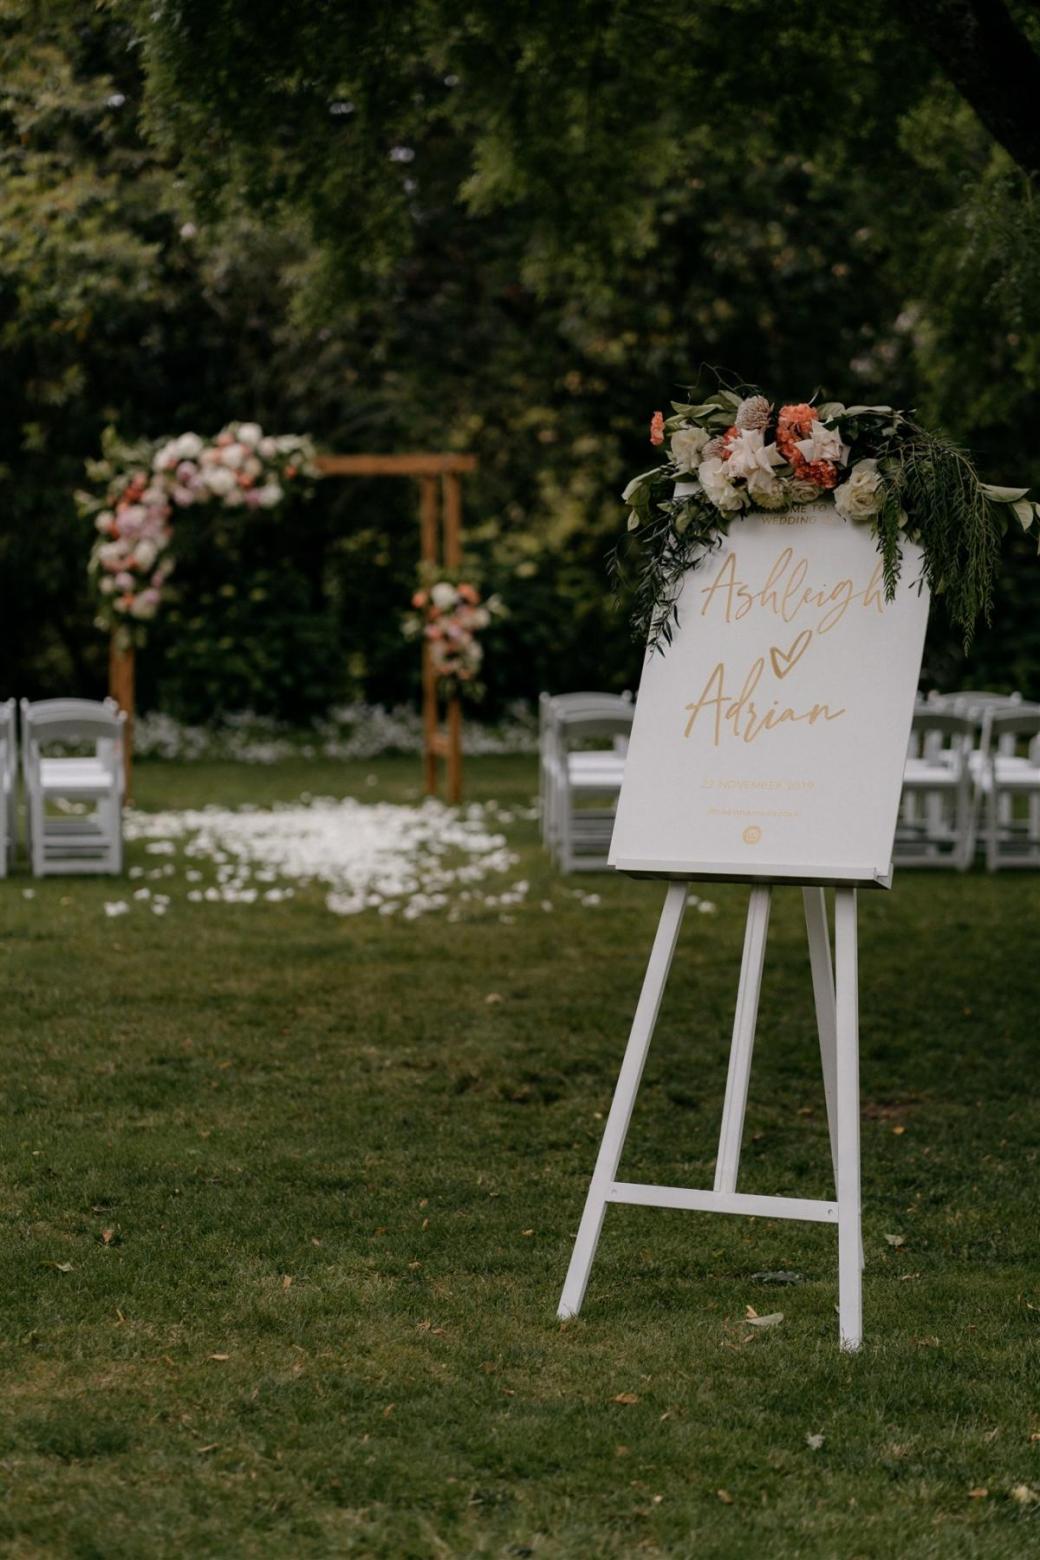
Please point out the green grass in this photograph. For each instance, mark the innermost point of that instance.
(342, 1163)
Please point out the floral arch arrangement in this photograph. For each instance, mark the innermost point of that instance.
(734, 452)
(449, 615)
(137, 490)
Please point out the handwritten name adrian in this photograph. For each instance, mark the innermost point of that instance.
(786, 596)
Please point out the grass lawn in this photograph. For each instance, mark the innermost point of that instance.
(288, 1200)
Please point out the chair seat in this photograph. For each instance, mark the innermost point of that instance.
(923, 774)
(84, 778)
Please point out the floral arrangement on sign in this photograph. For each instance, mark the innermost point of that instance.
(734, 452)
(449, 614)
(137, 488)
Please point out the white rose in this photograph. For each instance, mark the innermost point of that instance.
(801, 492)
(859, 497)
(104, 519)
(106, 585)
(686, 447)
(716, 484)
(269, 495)
(233, 455)
(443, 596)
(267, 448)
(824, 444)
(749, 453)
(766, 490)
(166, 457)
(145, 554)
(188, 446)
(250, 433)
(219, 480)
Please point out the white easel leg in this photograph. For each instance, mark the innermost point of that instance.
(624, 1099)
(815, 902)
(735, 1106)
(850, 1275)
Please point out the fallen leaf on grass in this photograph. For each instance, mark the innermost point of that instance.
(1024, 1494)
(107, 1237)
(60, 1267)
(979, 1493)
(626, 1397)
(218, 1357)
(725, 1497)
(814, 1441)
(754, 1320)
(212, 1447)
(286, 1280)
(895, 1240)
(388, 1410)
(493, 996)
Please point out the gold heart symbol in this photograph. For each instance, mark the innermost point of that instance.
(790, 657)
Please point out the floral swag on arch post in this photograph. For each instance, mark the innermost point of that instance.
(137, 489)
(734, 452)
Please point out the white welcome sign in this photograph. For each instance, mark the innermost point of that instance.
(770, 736)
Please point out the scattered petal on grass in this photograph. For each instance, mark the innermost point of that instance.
(978, 1493)
(220, 1357)
(28, 893)
(1024, 1494)
(626, 1398)
(814, 1440)
(895, 1240)
(706, 907)
(116, 907)
(725, 1497)
(60, 1267)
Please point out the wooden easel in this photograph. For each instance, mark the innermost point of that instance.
(836, 994)
(440, 529)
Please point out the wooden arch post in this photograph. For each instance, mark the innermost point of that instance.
(440, 534)
(440, 545)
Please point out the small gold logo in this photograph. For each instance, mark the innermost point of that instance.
(752, 834)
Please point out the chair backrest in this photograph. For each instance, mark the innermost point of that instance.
(71, 720)
(979, 702)
(8, 731)
(1022, 722)
(576, 729)
(937, 730)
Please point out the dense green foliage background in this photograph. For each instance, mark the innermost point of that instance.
(481, 226)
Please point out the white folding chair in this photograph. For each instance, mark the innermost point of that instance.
(554, 713)
(8, 787)
(586, 785)
(1012, 776)
(937, 774)
(64, 833)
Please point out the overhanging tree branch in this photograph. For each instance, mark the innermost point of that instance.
(992, 64)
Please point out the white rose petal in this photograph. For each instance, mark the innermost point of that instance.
(250, 433)
(859, 496)
(824, 444)
(686, 447)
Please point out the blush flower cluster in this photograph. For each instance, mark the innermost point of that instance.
(138, 490)
(449, 617)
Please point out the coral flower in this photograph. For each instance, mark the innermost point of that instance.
(657, 428)
(419, 599)
(468, 594)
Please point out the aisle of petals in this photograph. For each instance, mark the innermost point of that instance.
(382, 857)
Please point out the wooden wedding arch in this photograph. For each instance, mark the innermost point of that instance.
(440, 545)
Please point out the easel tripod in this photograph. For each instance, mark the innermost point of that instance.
(836, 994)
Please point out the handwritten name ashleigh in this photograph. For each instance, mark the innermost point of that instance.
(787, 597)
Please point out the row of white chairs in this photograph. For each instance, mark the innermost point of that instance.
(73, 801)
(972, 782)
(583, 739)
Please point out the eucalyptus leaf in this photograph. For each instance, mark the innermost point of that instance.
(1024, 510)
(833, 409)
(1003, 495)
(858, 411)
